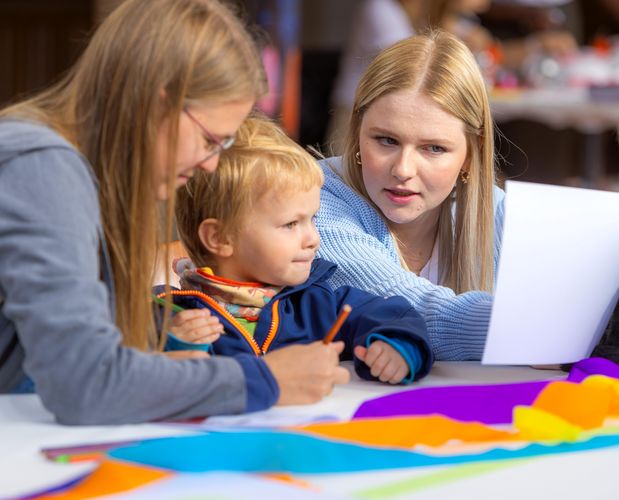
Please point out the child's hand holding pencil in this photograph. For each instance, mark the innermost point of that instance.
(196, 326)
(193, 326)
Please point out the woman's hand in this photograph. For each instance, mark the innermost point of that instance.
(384, 361)
(196, 326)
(307, 373)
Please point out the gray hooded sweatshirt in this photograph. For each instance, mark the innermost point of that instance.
(57, 304)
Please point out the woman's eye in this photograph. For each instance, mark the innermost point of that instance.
(386, 141)
(433, 148)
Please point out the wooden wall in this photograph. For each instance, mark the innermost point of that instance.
(39, 40)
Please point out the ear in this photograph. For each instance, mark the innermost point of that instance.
(466, 167)
(213, 239)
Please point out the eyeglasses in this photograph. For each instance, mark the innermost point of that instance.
(213, 146)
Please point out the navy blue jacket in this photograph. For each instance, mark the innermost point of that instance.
(304, 314)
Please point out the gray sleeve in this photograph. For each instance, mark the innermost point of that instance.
(49, 277)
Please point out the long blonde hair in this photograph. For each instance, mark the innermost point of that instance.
(146, 61)
(263, 161)
(442, 68)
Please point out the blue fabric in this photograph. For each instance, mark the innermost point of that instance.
(354, 236)
(278, 452)
(261, 384)
(173, 343)
(307, 311)
(26, 386)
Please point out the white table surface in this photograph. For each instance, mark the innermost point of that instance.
(26, 427)
(556, 107)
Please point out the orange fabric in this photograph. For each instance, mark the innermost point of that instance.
(584, 405)
(207, 272)
(289, 479)
(111, 477)
(407, 432)
(612, 384)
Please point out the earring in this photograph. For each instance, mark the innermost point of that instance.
(358, 157)
(464, 176)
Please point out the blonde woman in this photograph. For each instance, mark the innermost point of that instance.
(411, 208)
(159, 92)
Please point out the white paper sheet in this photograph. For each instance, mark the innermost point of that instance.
(558, 277)
(224, 486)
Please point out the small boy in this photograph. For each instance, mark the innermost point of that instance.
(249, 231)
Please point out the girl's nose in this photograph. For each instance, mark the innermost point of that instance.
(405, 166)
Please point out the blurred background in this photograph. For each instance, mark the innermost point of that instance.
(551, 66)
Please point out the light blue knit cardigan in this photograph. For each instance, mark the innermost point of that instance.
(356, 238)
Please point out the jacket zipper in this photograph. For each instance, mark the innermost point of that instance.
(258, 351)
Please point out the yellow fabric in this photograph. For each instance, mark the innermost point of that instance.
(535, 424)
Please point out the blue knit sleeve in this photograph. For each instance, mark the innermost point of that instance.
(499, 215)
(355, 237)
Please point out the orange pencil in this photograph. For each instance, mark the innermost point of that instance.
(338, 324)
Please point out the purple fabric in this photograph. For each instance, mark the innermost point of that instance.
(489, 404)
(593, 366)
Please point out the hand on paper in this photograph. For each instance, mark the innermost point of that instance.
(384, 361)
(196, 326)
(307, 373)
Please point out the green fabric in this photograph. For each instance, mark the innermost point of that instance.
(250, 326)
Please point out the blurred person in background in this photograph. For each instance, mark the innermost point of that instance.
(376, 25)
(461, 17)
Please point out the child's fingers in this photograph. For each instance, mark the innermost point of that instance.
(360, 352)
(373, 352)
(400, 373)
(189, 316)
(196, 326)
(207, 339)
(211, 324)
(196, 322)
(386, 363)
(390, 372)
(378, 365)
(199, 333)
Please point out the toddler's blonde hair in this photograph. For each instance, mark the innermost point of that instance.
(263, 161)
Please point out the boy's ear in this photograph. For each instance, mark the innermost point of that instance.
(213, 239)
